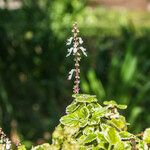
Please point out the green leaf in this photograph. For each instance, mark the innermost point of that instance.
(93, 106)
(129, 67)
(142, 146)
(70, 130)
(114, 104)
(83, 122)
(21, 147)
(70, 120)
(72, 107)
(85, 98)
(112, 136)
(128, 146)
(119, 146)
(104, 126)
(88, 130)
(94, 120)
(79, 117)
(81, 138)
(146, 136)
(125, 134)
(100, 112)
(119, 123)
(58, 133)
(82, 148)
(100, 146)
(101, 137)
(122, 106)
(83, 113)
(89, 138)
(96, 115)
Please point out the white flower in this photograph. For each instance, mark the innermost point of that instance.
(80, 40)
(83, 51)
(75, 50)
(71, 74)
(8, 144)
(69, 51)
(69, 41)
(145, 147)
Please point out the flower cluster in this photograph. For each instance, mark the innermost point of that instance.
(5, 143)
(73, 50)
(76, 49)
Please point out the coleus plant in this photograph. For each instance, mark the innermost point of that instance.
(91, 126)
(87, 124)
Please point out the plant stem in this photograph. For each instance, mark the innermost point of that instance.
(77, 58)
(109, 147)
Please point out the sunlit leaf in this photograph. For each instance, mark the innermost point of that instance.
(112, 136)
(21, 147)
(72, 107)
(100, 112)
(83, 112)
(104, 126)
(83, 122)
(142, 146)
(85, 98)
(70, 130)
(125, 134)
(114, 104)
(88, 130)
(94, 120)
(119, 123)
(146, 136)
(89, 138)
(101, 137)
(122, 106)
(94, 107)
(119, 146)
(81, 138)
(100, 146)
(96, 115)
(70, 120)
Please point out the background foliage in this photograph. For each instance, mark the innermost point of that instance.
(33, 87)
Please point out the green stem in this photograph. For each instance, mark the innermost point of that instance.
(109, 147)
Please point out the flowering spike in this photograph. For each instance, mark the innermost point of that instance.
(76, 50)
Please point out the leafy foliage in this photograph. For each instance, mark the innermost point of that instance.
(146, 136)
(88, 125)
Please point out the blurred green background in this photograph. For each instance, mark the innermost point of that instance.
(34, 90)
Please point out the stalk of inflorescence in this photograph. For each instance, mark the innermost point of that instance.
(76, 50)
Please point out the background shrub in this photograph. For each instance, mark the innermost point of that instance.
(33, 87)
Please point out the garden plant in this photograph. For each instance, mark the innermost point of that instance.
(88, 124)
